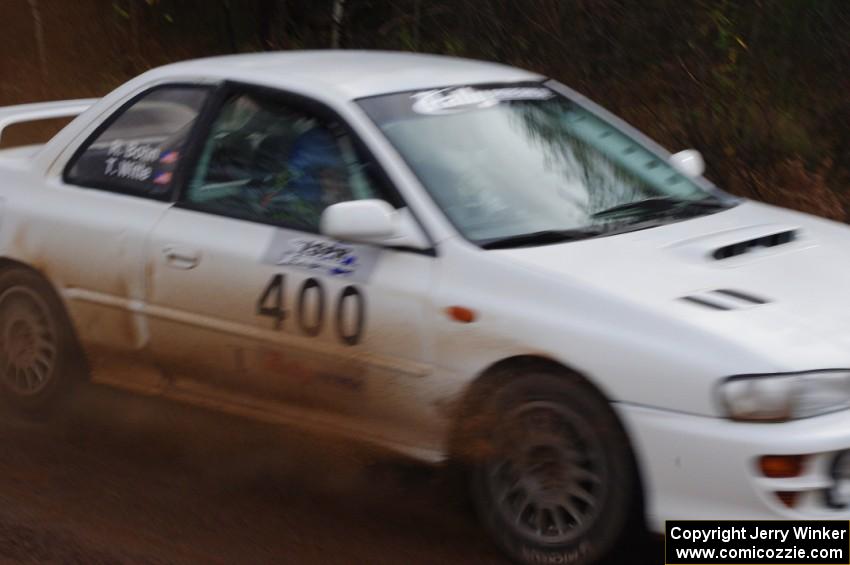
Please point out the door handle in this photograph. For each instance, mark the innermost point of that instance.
(181, 257)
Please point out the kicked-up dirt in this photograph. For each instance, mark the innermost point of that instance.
(123, 479)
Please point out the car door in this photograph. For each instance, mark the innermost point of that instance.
(250, 306)
(90, 231)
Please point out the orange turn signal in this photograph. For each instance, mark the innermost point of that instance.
(781, 466)
(461, 314)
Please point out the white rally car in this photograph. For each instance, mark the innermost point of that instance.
(457, 260)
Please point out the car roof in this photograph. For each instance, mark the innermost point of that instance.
(348, 73)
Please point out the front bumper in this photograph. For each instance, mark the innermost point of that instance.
(703, 468)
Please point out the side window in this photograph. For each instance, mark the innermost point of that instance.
(270, 162)
(139, 150)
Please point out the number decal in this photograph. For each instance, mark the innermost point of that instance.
(353, 338)
(311, 318)
(314, 329)
(273, 291)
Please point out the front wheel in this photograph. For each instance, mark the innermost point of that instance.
(557, 482)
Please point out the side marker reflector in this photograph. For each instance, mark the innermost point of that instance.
(461, 314)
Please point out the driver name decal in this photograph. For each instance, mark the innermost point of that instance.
(130, 160)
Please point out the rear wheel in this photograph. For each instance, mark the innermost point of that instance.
(556, 482)
(39, 359)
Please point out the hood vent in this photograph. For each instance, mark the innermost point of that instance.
(725, 299)
(772, 240)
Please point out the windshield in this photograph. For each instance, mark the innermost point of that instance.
(520, 160)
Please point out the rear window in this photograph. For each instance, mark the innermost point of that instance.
(142, 144)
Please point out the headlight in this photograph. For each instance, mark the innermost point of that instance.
(778, 398)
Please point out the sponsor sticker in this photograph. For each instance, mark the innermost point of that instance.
(452, 100)
(321, 256)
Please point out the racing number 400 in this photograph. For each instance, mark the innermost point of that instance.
(271, 304)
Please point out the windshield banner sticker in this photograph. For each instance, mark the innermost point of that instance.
(451, 100)
(321, 256)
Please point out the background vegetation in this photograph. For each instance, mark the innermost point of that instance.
(761, 87)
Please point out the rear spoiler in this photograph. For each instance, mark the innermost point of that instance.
(42, 111)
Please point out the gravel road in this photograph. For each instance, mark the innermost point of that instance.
(123, 479)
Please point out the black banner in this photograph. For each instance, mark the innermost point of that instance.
(744, 542)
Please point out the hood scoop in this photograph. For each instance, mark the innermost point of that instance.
(725, 299)
(742, 247)
(727, 248)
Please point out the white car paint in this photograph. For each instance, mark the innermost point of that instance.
(610, 308)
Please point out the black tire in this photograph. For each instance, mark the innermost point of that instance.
(553, 477)
(40, 361)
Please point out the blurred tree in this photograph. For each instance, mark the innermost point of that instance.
(337, 16)
(266, 12)
(39, 41)
(759, 86)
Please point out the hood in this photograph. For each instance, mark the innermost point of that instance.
(774, 280)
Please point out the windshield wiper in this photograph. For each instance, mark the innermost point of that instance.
(545, 237)
(663, 205)
(646, 212)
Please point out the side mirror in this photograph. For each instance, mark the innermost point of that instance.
(688, 162)
(372, 221)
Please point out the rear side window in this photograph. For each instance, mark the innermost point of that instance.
(141, 145)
